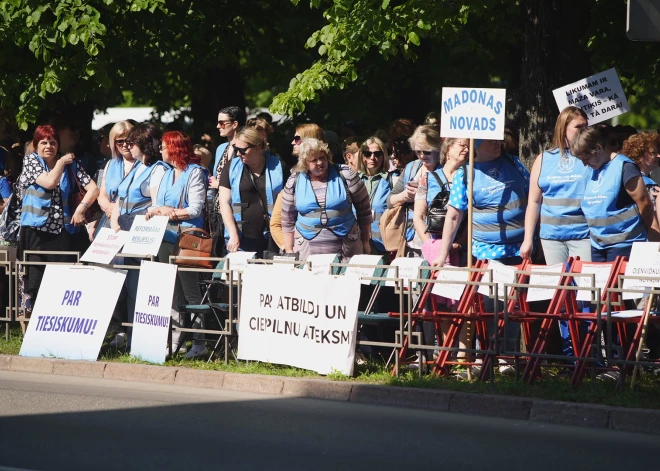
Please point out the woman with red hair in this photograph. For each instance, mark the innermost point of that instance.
(181, 197)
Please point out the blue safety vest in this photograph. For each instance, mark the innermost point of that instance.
(562, 181)
(378, 200)
(274, 184)
(411, 169)
(500, 201)
(132, 199)
(337, 215)
(114, 176)
(611, 226)
(175, 195)
(37, 200)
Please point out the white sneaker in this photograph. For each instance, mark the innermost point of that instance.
(120, 340)
(507, 370)
(360, 359)
(197, 351)
(475, 370)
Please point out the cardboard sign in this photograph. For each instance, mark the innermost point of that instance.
(600, 96)
(501, 274)
(540, 294)
(145, 237)
(153, 305)
(450, 290)
(72, 312)
(601, 275)
(408, 268)
(320, 263)
(237, 263)
(105, 246)
(299, 319)
(364, 271)
(473, 113)
(644, 260)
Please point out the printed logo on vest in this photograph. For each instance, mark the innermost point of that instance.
(566, 165)
(494, 174)
(598, 183)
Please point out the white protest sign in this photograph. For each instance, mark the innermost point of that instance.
(600, 96)
(473, 113)
(299, 319)
(106, 245)
(364, 271)
(644, 260)
(540, 294)
(320, 263)
(145, 237)
(501, 274)
(408, 268)
(72, 312)
(153, 305)
(601, 275)
(450, 290)
(237, 263)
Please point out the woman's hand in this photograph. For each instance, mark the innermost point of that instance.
(91, 228)
(109, 208)
(78, 217)
(234, 243)
(455, 247)
(66, 159)
(526, 250)
(438, 261)
(214, 183)
(366, 248)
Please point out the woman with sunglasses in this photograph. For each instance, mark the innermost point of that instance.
(373, 172)
(249, 186)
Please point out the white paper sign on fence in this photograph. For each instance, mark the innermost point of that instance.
(237, 263)
(299, 319)
(644, 260)
(145, 237)
(600, 96)
(601, 274)
(320, 263)
(72, 312)
(408, 268)
(501, 274)
(364, 271)
(473, 113)
(450, 290)
(540, 294)
(153, 306)
(106, 245)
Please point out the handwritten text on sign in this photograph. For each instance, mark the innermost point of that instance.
(145, 237)
(473, 113)
(600, 96)
(539, 294)
(105, 246)
(299, 319)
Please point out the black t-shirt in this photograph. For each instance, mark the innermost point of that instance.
(629, 171)
(252, 215)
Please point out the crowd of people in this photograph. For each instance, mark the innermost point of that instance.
(591, 193)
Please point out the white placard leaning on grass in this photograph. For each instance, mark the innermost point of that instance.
(237, 263)
(473, 113)
(105, 246)
(145, 237)
(541, 294)
(601, 275)
(153, 305)
(299, 319)
(363, 272)
(320, 263)
(501, 274)
(450, 290)
(408, 268)
(72, 312)
(600, 96)
(644, 260)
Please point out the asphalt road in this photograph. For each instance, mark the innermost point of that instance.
(50, 422)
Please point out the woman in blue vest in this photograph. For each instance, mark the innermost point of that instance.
(181, 197)
(616, 202)
(556, 191)
(325, 207)
(373, 172)
(48, 221)
(249, 186)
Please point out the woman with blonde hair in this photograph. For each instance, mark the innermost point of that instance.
(373, 165)
(317, 206)
(306, 130)
(249, 186)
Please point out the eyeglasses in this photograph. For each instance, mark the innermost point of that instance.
(425, 153)
(129, 143)
(376, 154)
(459, 144)
(297, 139)
(222, 124)
(121, 142)
(161, 147)
(242, 150)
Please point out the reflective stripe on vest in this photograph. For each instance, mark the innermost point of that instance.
(274, 184)
(337, 215)
(562, 181)
(132, 199)
(115, 175)
(170, 194)
(500, 201)
(610, 226)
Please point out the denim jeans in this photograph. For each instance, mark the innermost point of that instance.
(608, 255)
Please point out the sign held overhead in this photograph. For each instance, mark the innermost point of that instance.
(473, 113)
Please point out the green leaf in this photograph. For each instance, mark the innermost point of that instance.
(385, 4)
(322, 49)
(63, 25)
(73, 39)
(413, 38)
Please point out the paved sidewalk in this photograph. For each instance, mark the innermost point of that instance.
(508, 407)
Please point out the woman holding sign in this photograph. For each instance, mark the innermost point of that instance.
(181, 197)
(373, 173)
(48, 221)
(556, 191)
(616, 202)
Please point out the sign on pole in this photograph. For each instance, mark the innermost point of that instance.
(473, 113)
(72, 312)
(105, 246)
(600, 96)
(153, 305)
(145, 237)
(299, 319)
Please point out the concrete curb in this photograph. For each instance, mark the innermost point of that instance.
(508, 407)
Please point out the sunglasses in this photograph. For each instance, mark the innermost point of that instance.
(121, 142)
(129, 143)
(425, 153)
(377, 154)
(222, 124)
(297, 139)
(242, 150)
